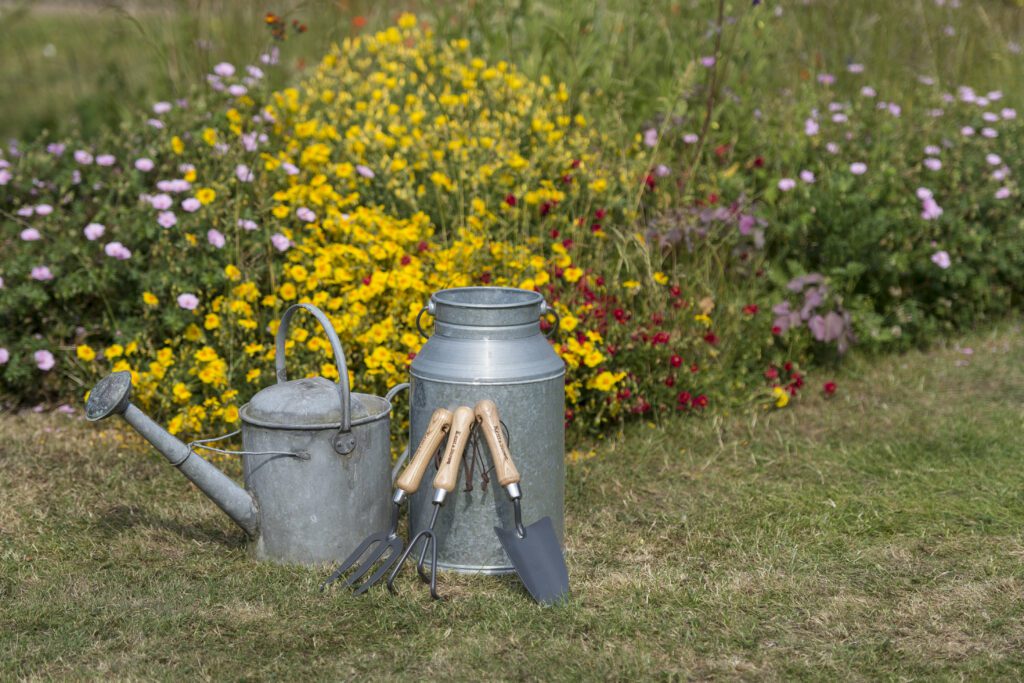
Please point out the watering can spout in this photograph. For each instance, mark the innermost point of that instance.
(112, 396)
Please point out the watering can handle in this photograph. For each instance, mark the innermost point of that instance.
(344, 443)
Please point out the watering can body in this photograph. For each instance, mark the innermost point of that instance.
(316, 460)
(487, 344)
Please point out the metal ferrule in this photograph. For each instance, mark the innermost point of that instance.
(439, 496)
(513, 491)
(399, 496)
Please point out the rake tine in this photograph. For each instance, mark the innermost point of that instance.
(367, 565)
(426, 534)
(385, 565)
(349, 561)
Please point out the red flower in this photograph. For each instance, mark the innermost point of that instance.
(694, 368)
(485, 277)
(776, 330)
(830, 388)
(721, 151)
(771, 373)
(675, 291)
(566, 179)
(510, 199)
(600, 214)
(575, 163)
(554, 233)
(367, 280)
(620, 315)
(701, 401)
(750, 309)
(546, 207)
(567, 243)
(649, 181)
(599, 281)
(569, 415)
(788, 367)
(758, 162)
(676, 360)
(422, 246)
(596, 227)
(657, 319)
(670, 381)
(683, 398)
(660, 338)
(623, 394)
(406, 259)
(358, 22)
(712, 198)
(711, 338)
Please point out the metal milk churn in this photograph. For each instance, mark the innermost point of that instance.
(316, 459)
(487, 343)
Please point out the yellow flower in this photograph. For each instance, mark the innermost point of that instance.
(205, 195)
(593, 358)
(190, 175)
(631, 284)
(661, 278)
(280, 211)
(604, 381)
(231, 414)
(599, 185)
(703, 319)
(287, 291)
(232, 272)
(181, 393)
(113, 351)
(177, 146)
(210, 136)
(85, 352)
(781, 397)
(176, 424)
(569, 322)
(407, 20)
(212, 321)
(193, 333)
(206, 354)
(252, 375)
(573, 274)
(165, 356)
(150, 299)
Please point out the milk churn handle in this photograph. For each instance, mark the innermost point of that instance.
(429, 308)
(343, 446)
(544, 309)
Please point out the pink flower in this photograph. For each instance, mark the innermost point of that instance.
(216, 238)
(967, 131)
(26, 211)
(30, 235)
(188, 301)
(44, 360)
(191, 205)
(661, 170)
(708, 62)
(94, 231)
(826, 79)
(5, 356)
(941, 259)
(144, 164)
(160, 108)
(895, 109)
(237, 90)
(651, 137)
(840, 118)
(178, 185)
(243, 173)
(995, 95)
(990, 117)
(989, 133)
(787, 184)
(246, 224)
(868, 91)
(811, 127)
(858, 168)
(254, 71)
(167, 219)
(83, 157)
(305, 214)
(1002, 193)
(106, 160)
(930, 209)
(832, 148)
(933, 164)
(993, 159)
(932, 150)
(691, 138)
(924, 193)
(44, 210)
(224, 69)
(271, 57)
(807, 176)
(161, 202)
(1008, 113)
(118, 251)
(855, 68)
(290, 169)
(280, 242)
(41, 273)
(155, 123)
(367, 172)
(5, 176)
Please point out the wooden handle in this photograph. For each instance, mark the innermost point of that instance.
(506, 470)
(458, 436)
(438, 426)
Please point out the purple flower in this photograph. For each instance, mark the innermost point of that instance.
(30, 235)
(191, 205)
(787, 184)
(243, 173)
(44, 360)
(188, 301)
(868, 91)
(941, 259)
(932, 150)
(41, 273)
(949, 31)
(237, 90)
(708, 61)
(167, 219)
(926, 80)
(367, 172)
(935, 113)
(215, 82)
(930, 210)
(290, 169)
(246, 224)
(224, 69)
(254, 71)
(691, 138)
(106, 160)
(5, 356)
(270, 57)
(967, 131)
(895, 109)
(155, 123)
(989, 133)
(807, 176)
(177, 185)
(160, 108)
(1002, 193)
(118, 251)
(858, 168)
(990, 116)
(651, 137)
(933, 164)
(249, 142)
(94, 231)
(44, 210)
(83, 157)
(305, 214)
(661, 170)
(832, 148)
(1000, 174)
(924, 193)
(216, 238)
(280, 242)
(855, 68)
(144, 164)
(826, 79)
(161, 202)
(5, 176)
(26, 211)
(840, 118)
(1008, 113)
(993, 159)
(55, 148)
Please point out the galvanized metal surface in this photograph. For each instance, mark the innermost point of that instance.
(487, 343)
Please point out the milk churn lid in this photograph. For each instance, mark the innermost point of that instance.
(308, 402)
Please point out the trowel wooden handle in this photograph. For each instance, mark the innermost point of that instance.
(438, 426)
(490, 424)
(458, 436)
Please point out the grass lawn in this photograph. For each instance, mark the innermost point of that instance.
(873, 535)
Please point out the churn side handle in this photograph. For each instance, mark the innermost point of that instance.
(344, 441)
(544, 310)
(429, 308)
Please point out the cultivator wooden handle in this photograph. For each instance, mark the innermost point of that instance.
(458, 436)
(490, 424)
(440, 423)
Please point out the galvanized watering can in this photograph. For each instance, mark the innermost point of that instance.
(487, 344)
(316, 458)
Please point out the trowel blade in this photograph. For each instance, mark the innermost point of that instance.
(538, 560)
